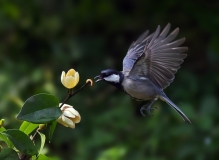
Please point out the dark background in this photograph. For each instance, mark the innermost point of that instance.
(39, 39)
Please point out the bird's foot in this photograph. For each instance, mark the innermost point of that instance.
(148, 110)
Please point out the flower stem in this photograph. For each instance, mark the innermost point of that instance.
(70, 94)
(67, 98)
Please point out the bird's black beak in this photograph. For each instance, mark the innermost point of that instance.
(99, 78)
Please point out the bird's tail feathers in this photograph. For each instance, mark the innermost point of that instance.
(168, 101)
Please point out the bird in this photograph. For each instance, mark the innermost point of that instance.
(149, 67)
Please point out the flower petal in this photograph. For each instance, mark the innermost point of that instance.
(69, 82)
(73, 111)
(68, 114)
(59, 120)
(77, 77)
(77, 119)
(65, 106)
(71, 72)
(62, 77)
(68, 121)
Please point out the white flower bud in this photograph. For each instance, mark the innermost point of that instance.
(69, 117)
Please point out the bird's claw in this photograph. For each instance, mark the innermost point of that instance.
(148, 110)
(142, 113)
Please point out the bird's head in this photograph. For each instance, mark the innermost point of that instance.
(112, 77)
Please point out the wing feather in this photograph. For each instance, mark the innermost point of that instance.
(155, 56)
(154, 37)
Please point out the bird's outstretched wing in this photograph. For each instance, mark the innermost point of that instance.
(155, 56)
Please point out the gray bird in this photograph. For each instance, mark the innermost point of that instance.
(149, 67)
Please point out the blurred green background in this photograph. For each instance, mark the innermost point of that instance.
(39, 39)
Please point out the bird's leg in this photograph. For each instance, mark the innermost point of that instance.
(147, 107)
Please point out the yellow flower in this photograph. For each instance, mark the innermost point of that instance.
(70, 80)
(69, 117)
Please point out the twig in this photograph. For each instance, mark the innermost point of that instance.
(70, 94)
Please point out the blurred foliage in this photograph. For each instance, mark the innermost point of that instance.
(40, 38)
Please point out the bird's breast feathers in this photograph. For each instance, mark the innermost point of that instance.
(141, 89)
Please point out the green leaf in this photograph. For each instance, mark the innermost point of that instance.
(27, 127)
(43, 139)
(43, 157)
(2, 129)
(21, 141)
(41, 108)
(33, 158)
(52, 129)
(5, 138)
(8, 154)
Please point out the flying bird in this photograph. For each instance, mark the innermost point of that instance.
(149, 67)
